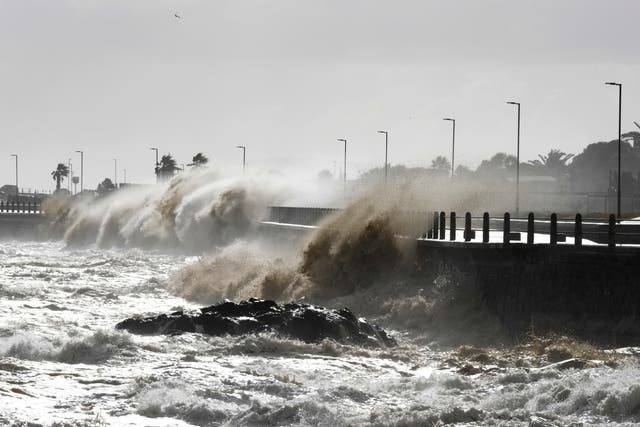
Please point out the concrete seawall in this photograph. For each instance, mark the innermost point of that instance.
(22, 226)
(593, 292)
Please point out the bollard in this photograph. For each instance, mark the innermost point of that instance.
(612, 231)
(577, 234)
(452, 227)
(485, 227)
(435, 225)
(442, 225)
(506, 228)
(530, 228)
(467, 227)
(553, 229)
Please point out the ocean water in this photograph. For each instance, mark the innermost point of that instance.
(63, 363)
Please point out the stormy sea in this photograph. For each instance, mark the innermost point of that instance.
(133, 311)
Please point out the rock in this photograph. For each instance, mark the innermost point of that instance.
(573, 363)
(306, 322)
(468, 369)
(556, 353)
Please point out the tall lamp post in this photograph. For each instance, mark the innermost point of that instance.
(17, 190)
(244, 157)
(81, 170)
(386, 152)
(115, 172)
(157, 164)
(344, 169)
(618, 190)
(453, 143)
(70, 175)
(517, 161)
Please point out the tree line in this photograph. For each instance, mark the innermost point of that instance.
(164, 170)
(592, 170)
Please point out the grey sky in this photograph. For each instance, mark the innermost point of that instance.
(286, 78)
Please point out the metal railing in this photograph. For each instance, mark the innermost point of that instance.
(612, 232)
(19, 208)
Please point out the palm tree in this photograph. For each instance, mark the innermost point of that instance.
(61, 172)
(556, 162)
(199, 160)
(167, 166)
(440, 165)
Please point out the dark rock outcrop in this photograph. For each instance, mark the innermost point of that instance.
(306, 322)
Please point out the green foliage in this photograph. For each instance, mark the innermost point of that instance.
(105, 187)
(167, 167)
(440, 165)
(199, 160)
(59, 174)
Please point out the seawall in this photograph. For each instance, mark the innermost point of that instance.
(589, 291)
(22, 226)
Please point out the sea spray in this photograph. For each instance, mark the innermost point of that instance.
(195, 211)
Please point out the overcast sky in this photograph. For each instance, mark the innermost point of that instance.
(286, 78)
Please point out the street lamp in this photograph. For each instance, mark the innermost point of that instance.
(244, 157)
(157, 164)
(81, 170)
(17, 191)
(386, 152)
(115, 172)
(70, 175)
(453, 144)
(517, 162)
(344, 170)
(618, 190)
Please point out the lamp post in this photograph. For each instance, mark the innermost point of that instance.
(244, 157)
(115, 172)
(344, 170)
(17, 190)
(70, 175)
(81, 170)
(453, 143)
(386, 152)
(618, 190)
(157, 164)
(517, 161)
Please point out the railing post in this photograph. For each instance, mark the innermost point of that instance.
(485, 227)
(612, 231)
(530, 228)
(442, 225)
(553, 229)
(506, 228)
(577, 238)
(467, 227)
(435, 225)
(452, 227)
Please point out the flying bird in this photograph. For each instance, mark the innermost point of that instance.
(175, 15)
